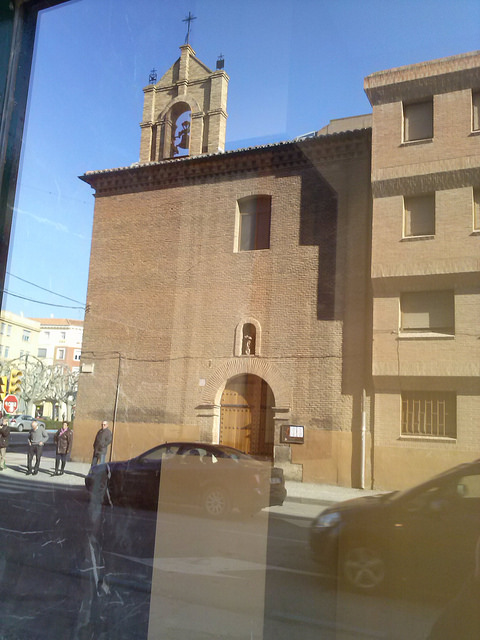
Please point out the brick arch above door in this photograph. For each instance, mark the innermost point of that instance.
(212, 392)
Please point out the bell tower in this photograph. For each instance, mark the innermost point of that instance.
(185, 112)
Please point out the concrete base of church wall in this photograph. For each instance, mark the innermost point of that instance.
(328, 457)
(130, 439)
(404, 467)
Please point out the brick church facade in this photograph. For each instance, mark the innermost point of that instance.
(235, 296)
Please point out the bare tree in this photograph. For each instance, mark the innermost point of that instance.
(42, 383)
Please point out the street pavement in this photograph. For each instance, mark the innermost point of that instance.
(303, 499)
(202, 569)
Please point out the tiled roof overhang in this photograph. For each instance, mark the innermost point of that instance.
(280, 157)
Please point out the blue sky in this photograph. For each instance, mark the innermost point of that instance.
(293, 66)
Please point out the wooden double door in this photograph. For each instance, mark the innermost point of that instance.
(246, 415)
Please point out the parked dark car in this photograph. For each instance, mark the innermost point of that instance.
(23, 423)
(214, 477)
(426, 534)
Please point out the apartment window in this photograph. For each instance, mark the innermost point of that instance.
(428, 312)
(418, 121)
(76, 355)
(419, 215)
(63, 336)
(476, 209)
(2, 328)
(429, 414)
(26, 336)
(476, 111)
(60, 354)
(254, 223)
(42, 353)
(9, 329)
(6, 352)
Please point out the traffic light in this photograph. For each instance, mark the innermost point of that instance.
(15, 381)
(3, 386)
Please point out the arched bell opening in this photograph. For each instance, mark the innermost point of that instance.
(181, 118)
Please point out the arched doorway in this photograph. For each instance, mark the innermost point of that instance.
(246, 415)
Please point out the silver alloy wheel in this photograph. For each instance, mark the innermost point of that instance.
(216, 502)
(364, 568)
(20, 427)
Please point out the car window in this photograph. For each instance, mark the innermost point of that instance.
(161, 453)
(195, 453)
(468, 487)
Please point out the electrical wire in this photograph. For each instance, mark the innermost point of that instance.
(48, 304)
(42, 288)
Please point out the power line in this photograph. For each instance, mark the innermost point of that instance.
(48, 304)
(42, 288)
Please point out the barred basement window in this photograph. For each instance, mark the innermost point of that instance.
(418, 121)
(429, 414)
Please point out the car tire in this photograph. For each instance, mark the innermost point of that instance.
(20, 427)
(363, 567)
(216, 502)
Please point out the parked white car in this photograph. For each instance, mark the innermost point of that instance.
(23, 422)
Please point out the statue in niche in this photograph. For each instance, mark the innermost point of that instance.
(248, 345)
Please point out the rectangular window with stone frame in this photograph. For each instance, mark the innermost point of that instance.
(419, 215)
(418, 121)
(475, 110)
(476, 209)
(427, 312)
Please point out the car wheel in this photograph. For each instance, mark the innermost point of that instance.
(364, 568)
(216, 502)
(20, 427)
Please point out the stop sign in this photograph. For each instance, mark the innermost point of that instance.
(10, 404)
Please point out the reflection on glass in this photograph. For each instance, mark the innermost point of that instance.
(280, 331)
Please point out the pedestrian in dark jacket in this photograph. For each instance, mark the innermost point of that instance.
(101, 443)
(4, 438)
(63, 442)
(36, 441)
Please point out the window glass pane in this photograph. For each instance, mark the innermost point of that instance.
(476, 209)
(428, 311)
(247, 232)
(476, 110)
(418, 121)
(420, 215)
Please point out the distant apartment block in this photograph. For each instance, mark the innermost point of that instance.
(18, 336)
(60, 342)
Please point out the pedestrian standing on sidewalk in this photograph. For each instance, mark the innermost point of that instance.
(101, 443)
(36, 441)
(63, 442)
(4, 438)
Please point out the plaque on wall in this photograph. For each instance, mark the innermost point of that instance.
(292, 434)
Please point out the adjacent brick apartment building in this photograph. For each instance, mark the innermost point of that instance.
(235, 296)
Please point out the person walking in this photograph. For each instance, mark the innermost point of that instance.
(101, 443)
(4, 438)
(63, 442)
(36, 441)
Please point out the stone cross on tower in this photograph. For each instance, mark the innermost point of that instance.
(185, 112)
